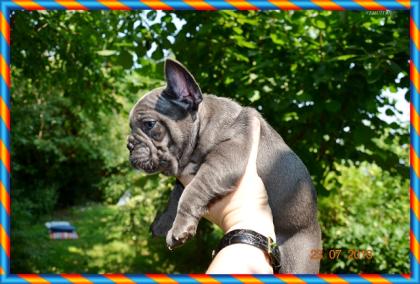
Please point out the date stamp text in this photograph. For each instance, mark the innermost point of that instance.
(335, 254)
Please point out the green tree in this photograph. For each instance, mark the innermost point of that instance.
(317, 77)
(66, 69)
(368, 210)
(69, 115)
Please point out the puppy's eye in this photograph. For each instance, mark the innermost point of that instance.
(149, 124)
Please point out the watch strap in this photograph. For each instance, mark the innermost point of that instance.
(250, 237)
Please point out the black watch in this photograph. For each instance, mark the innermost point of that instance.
(249, 237)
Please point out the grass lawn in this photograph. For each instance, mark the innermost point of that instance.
(104, 246)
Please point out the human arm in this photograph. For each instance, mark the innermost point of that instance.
(244, 208)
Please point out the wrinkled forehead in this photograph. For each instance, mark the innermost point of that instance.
(146, 103)
(153, 103)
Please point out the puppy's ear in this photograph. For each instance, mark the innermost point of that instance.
(181, 88)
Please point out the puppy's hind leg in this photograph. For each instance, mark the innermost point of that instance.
(300, 252)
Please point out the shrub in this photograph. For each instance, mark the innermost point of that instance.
(366, 209)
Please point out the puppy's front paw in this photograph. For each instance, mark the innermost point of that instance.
(178, 235)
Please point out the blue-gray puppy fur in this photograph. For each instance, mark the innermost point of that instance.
(179, 132)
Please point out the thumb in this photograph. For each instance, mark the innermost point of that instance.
(255, 140)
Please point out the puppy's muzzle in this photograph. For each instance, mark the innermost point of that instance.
(140, 155)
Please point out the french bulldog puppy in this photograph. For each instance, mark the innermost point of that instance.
(178, 131)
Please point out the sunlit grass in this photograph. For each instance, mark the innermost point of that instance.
(105, 246)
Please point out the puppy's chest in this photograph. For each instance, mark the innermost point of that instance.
(194, 164)
(192, 167)
(197, 159)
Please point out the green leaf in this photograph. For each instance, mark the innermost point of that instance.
(276, 39)
(157, 54)
(392, 88)
(106, 52)
(389, 112)
(255, 96)
(320, 24)
(240, 40)
(237, 30)
(332, 106)
(151, 15)
(125, 59)
(344, 57)
(395, 67)
(407, 96)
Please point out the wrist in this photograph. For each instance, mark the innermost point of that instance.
(240, 259)
(266, 232)
(238, 212)
(260, 221)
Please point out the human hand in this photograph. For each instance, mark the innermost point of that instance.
(245, 208)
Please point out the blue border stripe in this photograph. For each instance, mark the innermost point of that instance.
(5, 50)
(93, 5)
(415, 98)
(218, 4)
(415, 15)
(4, 132)
(226, 279)
(414, 265)
(394, 5)
(5, 177)
(349, 5)
(55, 279)
(269, 279)
(178, 5)
(135, 5)
(415, 56)
(5, 93)
(414, 182)
(395, 278)
(311, 279)
(418, 197)
(184, 278)
(4, 259)
(14, 279)
(354, 278)
(13, 6)
(415, 140)
(50, 4)
(5, 219)
(306, 5)
(96, 278)
(390, 5)
(5, 11)
(263, 5)
(415, 225)
(139, 278)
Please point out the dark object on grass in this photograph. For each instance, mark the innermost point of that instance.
(61, 230)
